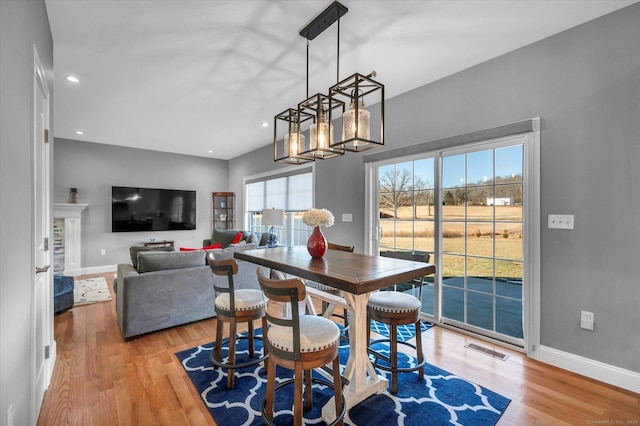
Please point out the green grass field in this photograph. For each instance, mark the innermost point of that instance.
(480, 238)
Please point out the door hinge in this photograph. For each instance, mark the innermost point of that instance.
(47, 352)
(46, 244)
(46, 135)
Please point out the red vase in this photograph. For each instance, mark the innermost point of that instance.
(317, 244)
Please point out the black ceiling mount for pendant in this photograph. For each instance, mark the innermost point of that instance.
(323, 21)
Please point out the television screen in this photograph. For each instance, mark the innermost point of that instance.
(147, 209)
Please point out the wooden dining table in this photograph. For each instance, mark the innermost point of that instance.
(356, 275)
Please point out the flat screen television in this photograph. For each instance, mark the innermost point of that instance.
(148, 209)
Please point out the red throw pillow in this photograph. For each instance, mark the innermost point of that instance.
(188, 249)
(211, 247)
(237, 238)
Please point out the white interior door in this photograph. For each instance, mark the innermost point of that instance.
(42, 298)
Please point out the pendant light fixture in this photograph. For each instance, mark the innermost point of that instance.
(343, 108)
(293, 143)
(357, 131)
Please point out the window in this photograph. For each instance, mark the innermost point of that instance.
(291, 191)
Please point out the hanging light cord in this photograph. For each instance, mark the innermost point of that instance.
(338, 55)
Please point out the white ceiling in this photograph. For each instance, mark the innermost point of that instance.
(193, 76)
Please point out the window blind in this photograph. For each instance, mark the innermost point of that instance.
(290, 193)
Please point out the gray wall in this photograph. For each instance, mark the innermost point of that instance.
(93, 168)
(22, 24)
(585, 85)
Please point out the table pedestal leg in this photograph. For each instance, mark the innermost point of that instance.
(362, 376)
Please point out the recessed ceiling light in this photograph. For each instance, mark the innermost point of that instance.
(73, 79)
(79, 132)
(264, 124)
(210, 151)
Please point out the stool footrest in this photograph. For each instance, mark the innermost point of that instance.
(320, 381)
(220, 364)
(379, 355)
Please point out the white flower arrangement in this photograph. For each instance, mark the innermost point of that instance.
(318, 217)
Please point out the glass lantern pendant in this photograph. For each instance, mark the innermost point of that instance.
(356, 124)
(293, 141)
(321, 132)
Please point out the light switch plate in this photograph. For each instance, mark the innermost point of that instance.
(347, 217)
(586, 320)
(560, 221)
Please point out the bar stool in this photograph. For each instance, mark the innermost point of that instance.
(396, 308)
(333, 290)
(234, 306)
(299, 343)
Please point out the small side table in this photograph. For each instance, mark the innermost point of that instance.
(162, 243)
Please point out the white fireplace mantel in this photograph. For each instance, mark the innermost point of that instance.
(65, 210)
(72, 215)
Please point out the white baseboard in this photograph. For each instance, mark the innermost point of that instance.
(597, 370)
(53, 356)
(92, 270)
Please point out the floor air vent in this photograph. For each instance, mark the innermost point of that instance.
(487, 351)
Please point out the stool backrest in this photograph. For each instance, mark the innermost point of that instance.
(228, 268)
(289, 291)
(415, 257)
(332, 246)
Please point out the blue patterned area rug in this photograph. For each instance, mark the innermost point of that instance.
(440, 399)
(405, 332)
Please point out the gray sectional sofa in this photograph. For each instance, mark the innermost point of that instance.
(225, 238)
(162, 288)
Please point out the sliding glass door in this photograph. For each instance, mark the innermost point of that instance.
(407, 213)
(481, 254)
(465, 207)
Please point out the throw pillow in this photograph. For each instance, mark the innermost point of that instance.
(237, 238)
(253, 239)
(212, 246)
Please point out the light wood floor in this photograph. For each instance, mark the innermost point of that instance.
(101, 380)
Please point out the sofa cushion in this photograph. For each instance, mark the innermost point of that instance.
(134, 250)
(227, 253)
(162, 261)
(224, 237)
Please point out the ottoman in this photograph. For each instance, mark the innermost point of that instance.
(62, 293)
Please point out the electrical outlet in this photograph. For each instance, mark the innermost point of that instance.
(586, 320)
(560, 221)
(103, 252)
(347, 217)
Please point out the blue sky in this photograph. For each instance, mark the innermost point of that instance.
(479, 166)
